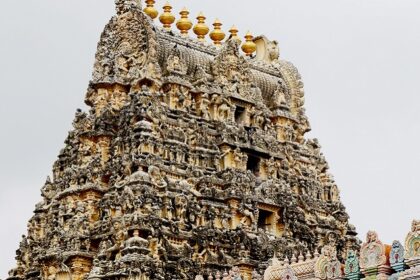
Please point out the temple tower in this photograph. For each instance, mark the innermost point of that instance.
(192, 159)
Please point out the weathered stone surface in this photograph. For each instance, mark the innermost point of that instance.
(191, 160)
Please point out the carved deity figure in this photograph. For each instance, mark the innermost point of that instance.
(224, 109)
(372, 253)
(412, 242)
(124, 59)
(397, 253)
(175, 64)
(279, 96)
(203, 106)
(240, 159)
(246, 209)
(272, 168)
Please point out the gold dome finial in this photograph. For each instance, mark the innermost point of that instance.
(234, 33)
(150, 9)
(217, 35)
(201, 29)
(249, 47)
(184, 24)
(167, 18)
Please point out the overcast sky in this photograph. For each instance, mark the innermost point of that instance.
(359, 59)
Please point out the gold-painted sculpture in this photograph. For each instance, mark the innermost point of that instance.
(234, 33)
(201, 29)
(249, 47)
(217, 35)
(184, 24)
(167, 18)
(150, 9)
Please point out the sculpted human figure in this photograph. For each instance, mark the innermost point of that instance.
(201, 77)
(128, 197)
(272, 168)
(279, 96)
(397, 253)
(156, 177)
(239, 158)
(255, 92)
(247, 211)
(180, 207)
(119, 237)
(176, 65)
(257, 117)
(203, 107)
(412, 243)
(223, 111)
(124, 59)
(371, 237)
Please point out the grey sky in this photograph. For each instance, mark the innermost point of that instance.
(359, 59)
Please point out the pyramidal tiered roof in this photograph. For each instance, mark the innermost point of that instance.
(191, 160)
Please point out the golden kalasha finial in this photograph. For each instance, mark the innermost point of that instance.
(201, 29)
(217, 35)
(249, 47)
(234, 33)
(150, 9)
(167, 18)
(184, 24)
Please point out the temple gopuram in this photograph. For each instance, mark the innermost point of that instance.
(192, 163)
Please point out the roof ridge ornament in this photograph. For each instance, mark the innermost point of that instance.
(184, 24)
(124, 6)
(167, 18)
(150, 10)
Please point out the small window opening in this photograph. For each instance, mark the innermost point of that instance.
(328, 194)
(264, 220)
(239, 114)
(253, 165)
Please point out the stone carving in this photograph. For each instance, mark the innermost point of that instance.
(124, 6)
(352, 269)
(327, 266)
(411, 255)
(374, 257)
(372, 253)
(175, 64)
(267, 51)
(396, 259)
(288, 274)
(397, 253)
(127, 49)
(183, 167)
(232, 72)
(412, 241)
